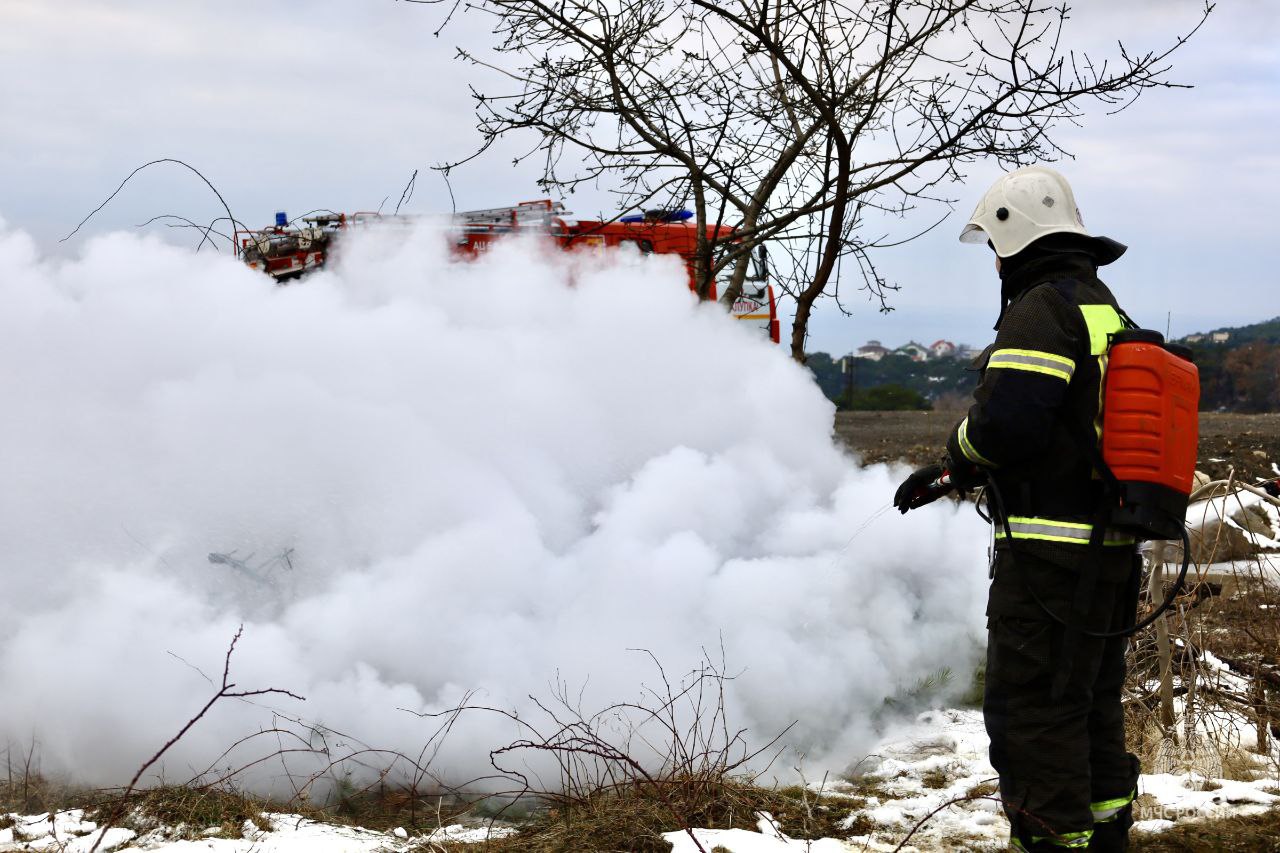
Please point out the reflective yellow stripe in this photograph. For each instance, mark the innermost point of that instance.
(1031, 368)
(967, 448)
(1106, 810)
(1118, 802)
(1061, 360)
(1071, 840)
(1034, 361)
(1056, 530)
(1102, 321)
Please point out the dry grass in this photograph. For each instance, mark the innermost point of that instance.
(984, 789)
(382, 808)
(1258, 834)
(190, 809)
(189, 812)
(633, 819)
(865, 786)
(935, 779)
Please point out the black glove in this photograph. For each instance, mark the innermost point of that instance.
(922, 487)
(1272, 488)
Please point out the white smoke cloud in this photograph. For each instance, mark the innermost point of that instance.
(488, 479)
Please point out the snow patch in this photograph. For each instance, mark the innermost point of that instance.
(942, 756)
(69, 832)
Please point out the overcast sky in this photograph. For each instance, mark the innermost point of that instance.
(333, 103)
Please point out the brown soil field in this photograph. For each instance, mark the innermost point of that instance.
(1249, 443)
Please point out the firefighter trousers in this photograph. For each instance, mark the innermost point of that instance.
(1066, 780)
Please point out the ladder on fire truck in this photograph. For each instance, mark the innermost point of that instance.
(543, 213)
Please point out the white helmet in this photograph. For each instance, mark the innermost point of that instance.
(1021, 207)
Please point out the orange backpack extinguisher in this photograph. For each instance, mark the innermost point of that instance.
(1150, 432)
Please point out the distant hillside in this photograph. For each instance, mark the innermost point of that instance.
(1240, 372)
(1267, 331)
(944, 382)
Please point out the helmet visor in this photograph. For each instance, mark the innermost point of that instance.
(973, 233)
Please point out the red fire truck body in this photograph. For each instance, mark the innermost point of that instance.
(286, 252)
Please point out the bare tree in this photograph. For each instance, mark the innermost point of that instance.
(791, 121)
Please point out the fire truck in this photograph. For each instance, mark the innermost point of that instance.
(288, 250)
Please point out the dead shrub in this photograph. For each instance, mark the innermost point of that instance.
(632, 771)
(189, 812)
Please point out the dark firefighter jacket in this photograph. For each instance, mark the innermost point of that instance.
(1038, 401)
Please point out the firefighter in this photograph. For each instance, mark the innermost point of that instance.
(1052, 698)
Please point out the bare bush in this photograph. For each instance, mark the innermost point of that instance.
(227, 690)
(1203, 694)
(669, 761)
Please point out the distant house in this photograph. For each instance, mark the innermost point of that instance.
(873, 350)
(913, 351)
(943, 349)
(967, 352)
(1193, 339)
(1221, 337)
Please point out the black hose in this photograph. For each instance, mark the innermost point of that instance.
(1104, 635)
